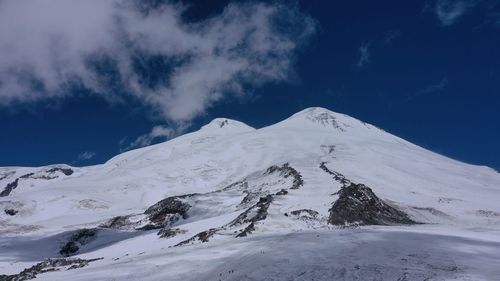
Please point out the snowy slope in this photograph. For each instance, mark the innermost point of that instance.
(233, 193)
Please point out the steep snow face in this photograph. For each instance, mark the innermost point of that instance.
(226, 151)
(234, 181)
(327, 119)
(224, 126)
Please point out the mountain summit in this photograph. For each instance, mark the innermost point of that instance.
(317, 196)
(227, 124)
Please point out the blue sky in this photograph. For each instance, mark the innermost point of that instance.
(427, 71)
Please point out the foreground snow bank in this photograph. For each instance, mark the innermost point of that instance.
(381, 253)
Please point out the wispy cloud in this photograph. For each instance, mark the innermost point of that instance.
(145, 50)
(450, 11)
(157, 133)
(364, 55)
(86, 155)
(433, 88)
(389, 37)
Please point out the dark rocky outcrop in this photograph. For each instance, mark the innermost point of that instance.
(119, 222)
(78, 239)
(203, 237)
(282, 192)
(27, 176)
(305, 213)
(167, 212)
(336, 175)
(286, 171)
(358, 205)
(237, 185)
(9, 187)
(48, 265)
(48, 174)
(248, 230)
(255, 213)
(12, 185)
(65, 171)
(69, 248)
(249, 197)
(487, 213)
(223, 123)
(162, 214)
(11, 212)
(170, 232)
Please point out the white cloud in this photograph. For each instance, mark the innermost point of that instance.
(86, 155)
(48, 46)
(158, 132)
(430, 89)
(435, 87)
(364, 55)
(449, 11)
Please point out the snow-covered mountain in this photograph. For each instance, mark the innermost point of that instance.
(318, 196)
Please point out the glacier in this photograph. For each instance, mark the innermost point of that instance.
(317, 196)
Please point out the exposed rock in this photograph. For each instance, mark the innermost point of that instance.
(162, 214)
(8, 228)
(432, 211)
(47, 176)
(48, 265)
(288, 171)
(358, 205)
(119, 222)
(170, 232)
(447, 200)
(487, 213)
(336, 175)
(167, 212)
(78, 239)
(327, 149)
(237, 185)
(12, 185)
(255, 213)
(202, 237)
(326, 119)
(305, 214)
(282, 192)
(130, 222)
(248, 230)
(223, 123)
(65, 171)
(69, 248)
(91, 204)
(11, 212)
(249, 197)
(6, 175)
(27, 176)
(9, 187)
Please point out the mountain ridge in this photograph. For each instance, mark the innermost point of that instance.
(316, 172)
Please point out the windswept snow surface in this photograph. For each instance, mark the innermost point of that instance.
(258, 204)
